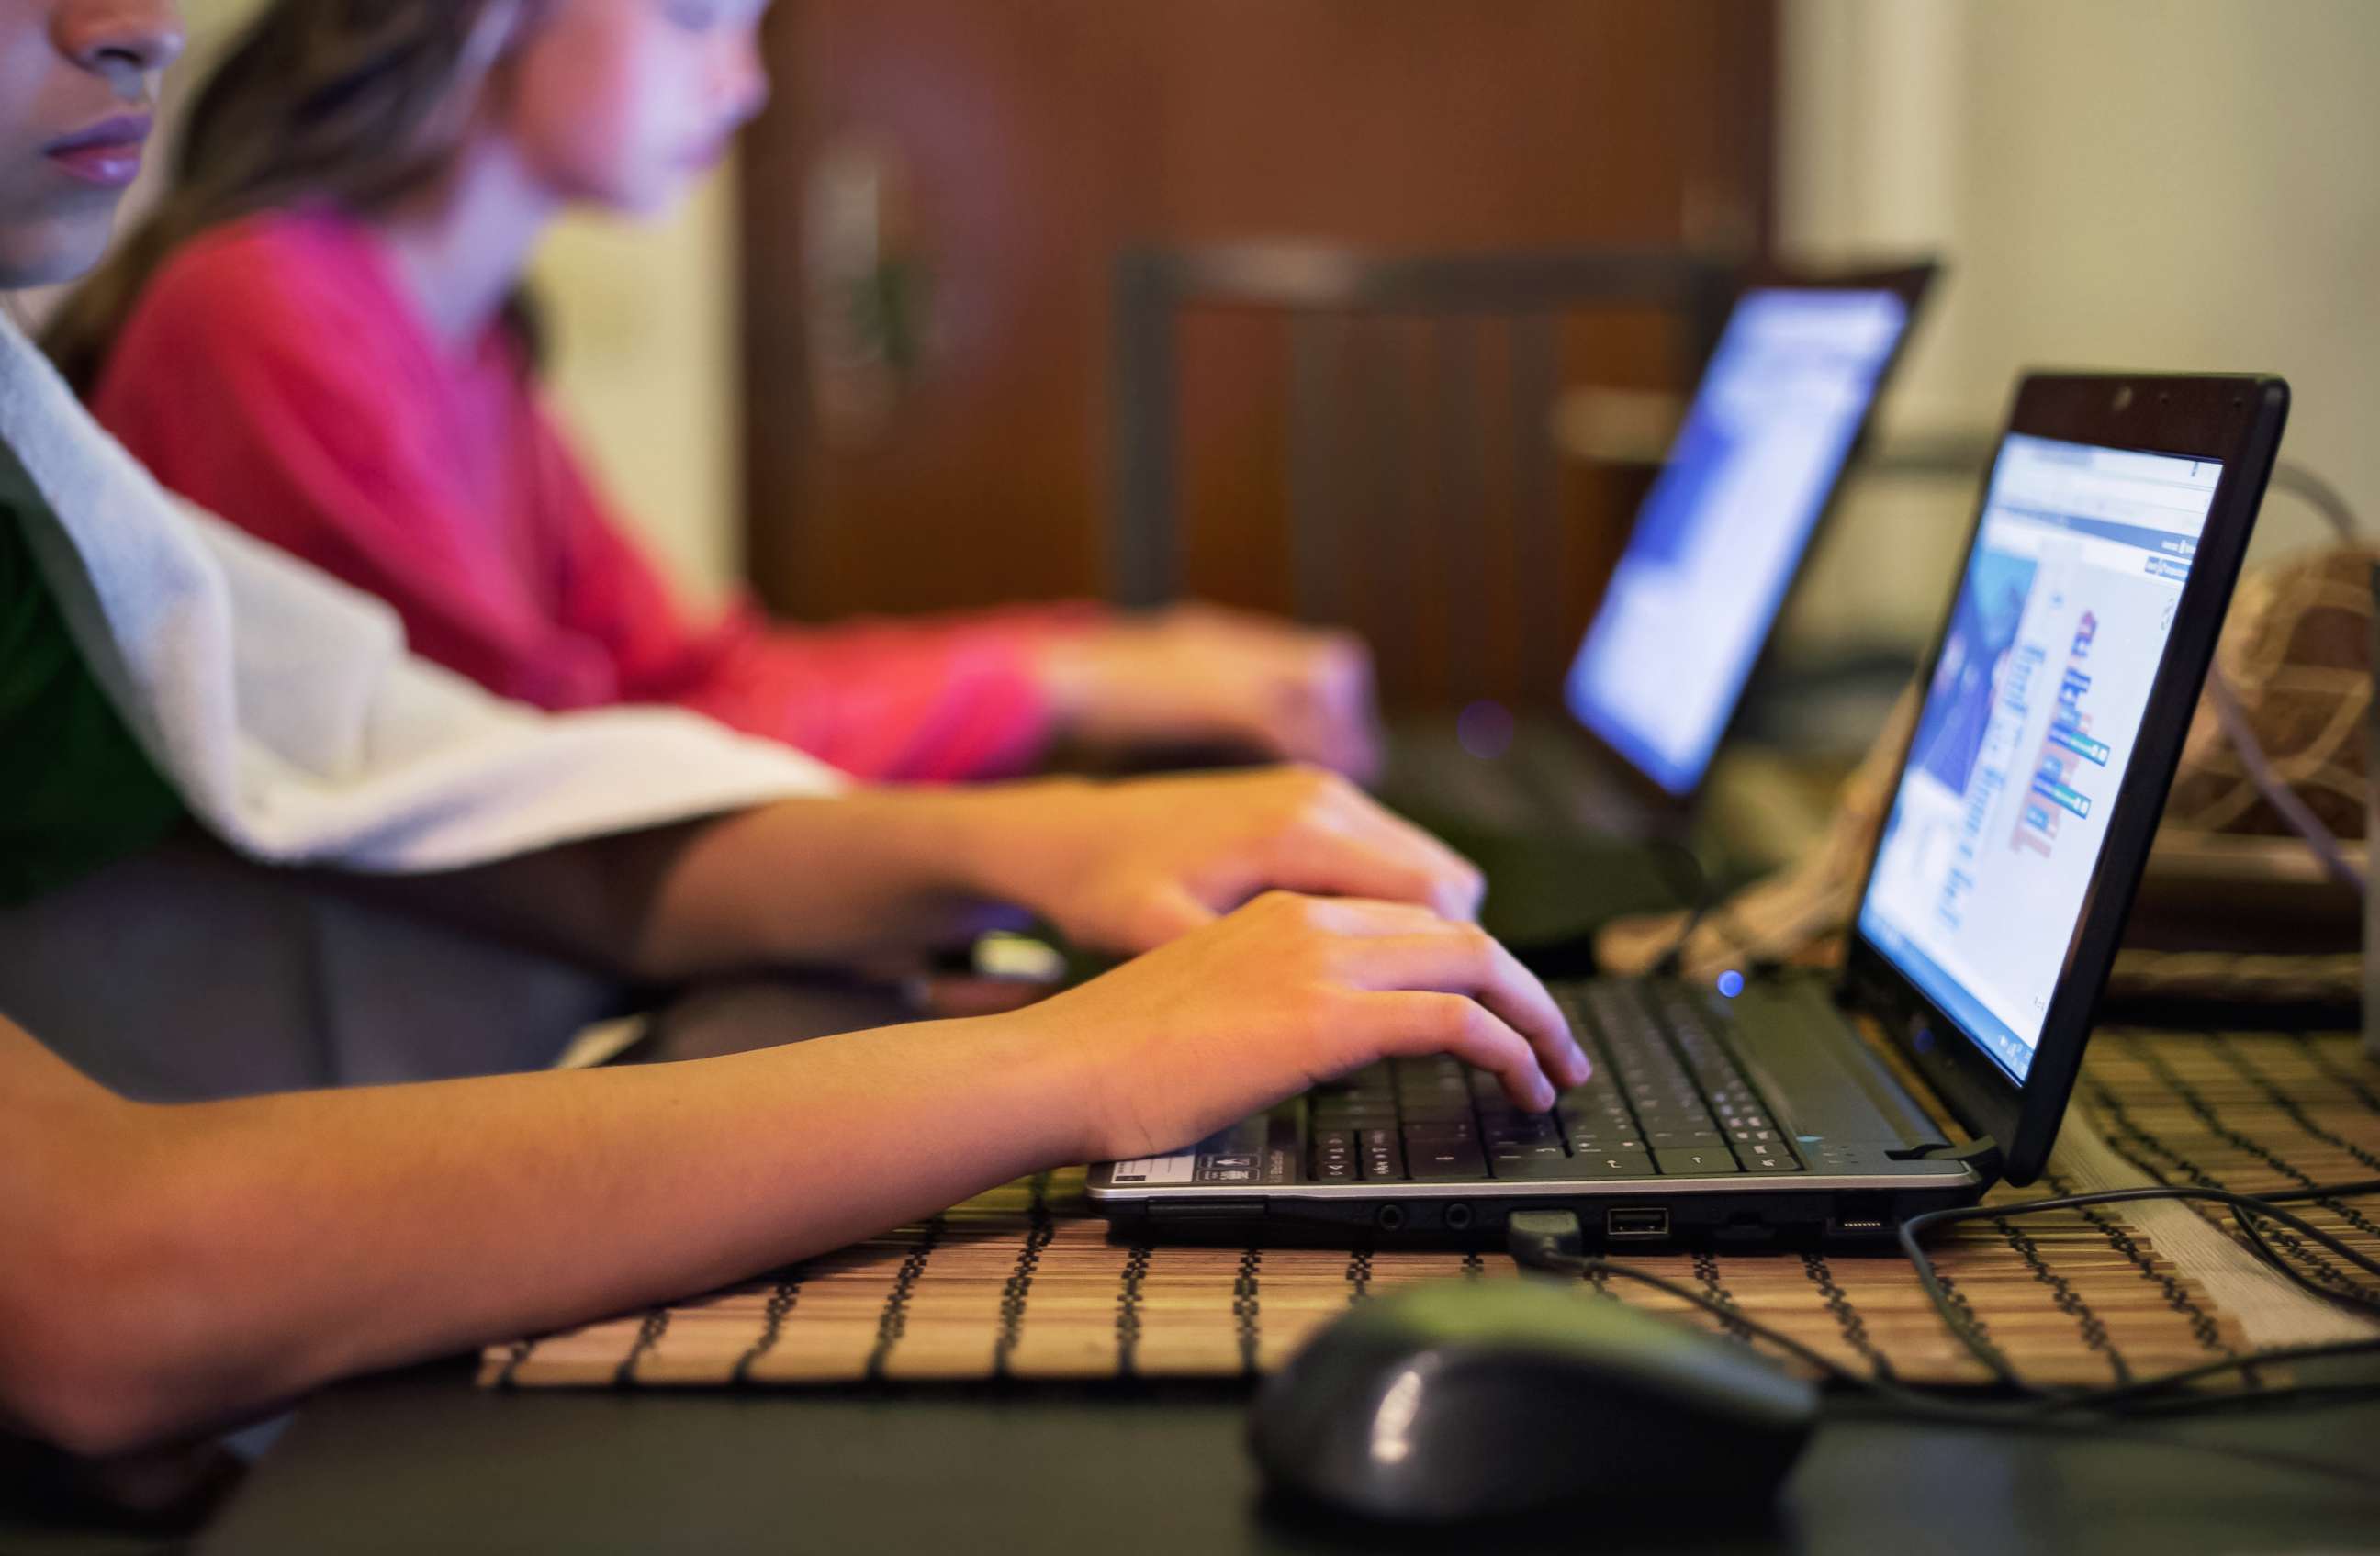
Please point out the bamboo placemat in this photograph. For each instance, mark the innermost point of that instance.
(1022, 1283)
(2251, 1112)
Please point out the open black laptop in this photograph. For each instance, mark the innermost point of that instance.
(2102, 557)
(1658, 677)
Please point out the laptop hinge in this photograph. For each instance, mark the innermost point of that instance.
(1982, 1155)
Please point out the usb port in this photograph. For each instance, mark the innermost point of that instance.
(1637, 1223)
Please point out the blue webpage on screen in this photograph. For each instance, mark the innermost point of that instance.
(2054, 642)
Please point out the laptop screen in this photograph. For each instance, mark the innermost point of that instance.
(1724, 527)
(2057, 635)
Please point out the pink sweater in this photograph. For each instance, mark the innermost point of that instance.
(276, 373)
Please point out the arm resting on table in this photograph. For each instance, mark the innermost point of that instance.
(170, 1266)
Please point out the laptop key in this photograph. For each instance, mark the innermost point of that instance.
(1613, 1164)
(1440, 1164)
(1710, 1161)
(1525, 1131)
(1545, 1169)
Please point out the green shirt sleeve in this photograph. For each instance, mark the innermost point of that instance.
(75, 789)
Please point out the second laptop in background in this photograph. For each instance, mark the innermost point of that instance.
(1586, 802)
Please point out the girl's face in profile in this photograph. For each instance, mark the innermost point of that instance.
(625, 103)
(77, 79)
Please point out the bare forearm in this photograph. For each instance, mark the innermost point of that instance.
(806, 882)
(265, 1244)
(1118, 867)
(809, 881)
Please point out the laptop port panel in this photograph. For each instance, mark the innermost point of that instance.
(1637, 1223)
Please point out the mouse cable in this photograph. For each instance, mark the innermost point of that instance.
(2046, 1415)
(1534, 1246)
(1535, 1236)
(2248, 1210)
(1552, 1241)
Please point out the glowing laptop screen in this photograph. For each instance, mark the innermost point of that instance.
(2057, 636)
(1724, 528)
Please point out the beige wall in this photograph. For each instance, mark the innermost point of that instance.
(644, 320)
(2152, 184)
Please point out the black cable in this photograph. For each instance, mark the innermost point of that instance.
(1539, 1254)
(2240, 731)
(2316, 493)
(2026, 1416)
(2033, 1406)
(2246, 1209)
(2037, 1408)
(2274, 789)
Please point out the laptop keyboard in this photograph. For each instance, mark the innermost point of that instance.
(1664, 1101)
(1546, 782)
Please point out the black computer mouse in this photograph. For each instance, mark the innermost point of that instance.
(1479, 1399)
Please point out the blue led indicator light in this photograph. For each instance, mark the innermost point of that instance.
(1731, 983)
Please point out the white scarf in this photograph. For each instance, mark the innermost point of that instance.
(285, 706)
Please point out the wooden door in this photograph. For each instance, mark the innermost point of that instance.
(934, 203)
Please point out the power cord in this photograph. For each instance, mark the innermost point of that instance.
(1554, 1241)
(2287, 802)
(2316, 493)
(2247, 1211)
(2240, 731)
